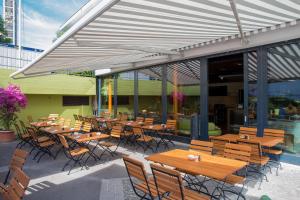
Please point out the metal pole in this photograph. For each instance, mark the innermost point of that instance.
(136, 93)
(246, 88)
(203, 99)
(164, 99)
(19, 31)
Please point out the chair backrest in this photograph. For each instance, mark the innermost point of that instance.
(18, 159)
(137, 173)
(202, 146)
(168, 180)
(29, 118)
(87, 126)
(32, 133)
(219, 145)
(251, 131)
(124, 117)
(137, 131)
(54, 116)
(256, 150)
(61, 121)
(116, 131)
(76, 117)
(77, 125)
(171, 123)
(237, 152)
(67, 122)
(17, 185)
(140, 119)
(148, 121)
(63, 141)
(276, 133)
(80, 118)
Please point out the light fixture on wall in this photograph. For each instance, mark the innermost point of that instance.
(229, 76)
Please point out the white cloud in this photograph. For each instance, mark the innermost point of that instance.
(38, 30)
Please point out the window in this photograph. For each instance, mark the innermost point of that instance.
(75, 100)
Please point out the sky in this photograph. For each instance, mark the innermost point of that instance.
(42, 18)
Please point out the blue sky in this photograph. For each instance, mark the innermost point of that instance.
(42, 19)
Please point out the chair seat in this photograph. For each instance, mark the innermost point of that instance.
(145, 138)
(260, 160)
(234, 179)
(47, 143)
(107, 144)
(78, 151)
(273, 151)
(43, 139)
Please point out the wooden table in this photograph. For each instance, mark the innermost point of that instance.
(87, 137)
(58, 130)
(210, 166)
(43, 124)
(264, 141)
(131, 123)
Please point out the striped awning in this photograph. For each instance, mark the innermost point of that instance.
(283, 63)
(121, 34)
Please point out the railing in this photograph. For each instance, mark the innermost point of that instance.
(9, 56)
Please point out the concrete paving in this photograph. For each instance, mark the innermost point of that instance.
(107, 179)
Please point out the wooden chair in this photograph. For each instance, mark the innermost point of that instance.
(43, 146)
(276, 152)
(219, 145)
(74, 154)
(23, 137)
(17, 161)
(236, 152)
(77, 125)
(169, 185)
(202, 146)
(256, 158)
(67, 123)
(124, 117)
(140, 119)
(250, 131)
(143, 186)
(53, 116)
(87, 126)
(148, 121)
(75, 117)
(115, 134)
(61, 121)
(171, 125)
(17, 186)
(142, 140)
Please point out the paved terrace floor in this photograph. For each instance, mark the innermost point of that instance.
(107, 179)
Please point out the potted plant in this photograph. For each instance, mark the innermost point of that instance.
(12, 100)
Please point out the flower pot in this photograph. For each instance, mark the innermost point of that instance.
(7, 136)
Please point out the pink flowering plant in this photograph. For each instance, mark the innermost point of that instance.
(12, 100)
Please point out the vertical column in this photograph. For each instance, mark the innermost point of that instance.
(246, 88)
(98, 93)
(164, 93)
(262, 87)
(203, 99)
(136, 93)
(115, 94)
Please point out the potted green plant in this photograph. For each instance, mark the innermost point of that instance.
(12, 100)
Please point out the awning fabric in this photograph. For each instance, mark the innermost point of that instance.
(120, 33)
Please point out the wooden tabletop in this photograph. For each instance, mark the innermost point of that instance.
(88, 137)
(43, 124)
(131, 123)
(106, 120)
(264, 141)
(58, 130)
(154, 127)
(211, 166)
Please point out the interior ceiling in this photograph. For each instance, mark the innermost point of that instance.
(121, 33)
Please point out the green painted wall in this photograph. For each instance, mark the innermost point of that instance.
(45, 94)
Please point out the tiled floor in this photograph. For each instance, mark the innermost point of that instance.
(107, 179)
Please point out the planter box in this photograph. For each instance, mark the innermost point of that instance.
(7, 136)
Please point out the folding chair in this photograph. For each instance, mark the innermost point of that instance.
(17, 186)
(67, 123)
(77, 125)
(219, 145)
(87, 126)
(258, 162)
(235, 152)
(148, 121)
(140, 119)
(116, 134)
(142, 140)
(17, 161)
(143, 186)
(201, 146)
(74, 155)
(24, 137)
(169, 185)
(43, 146)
